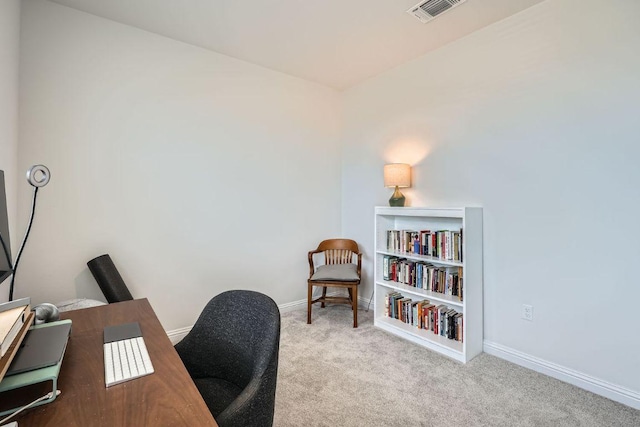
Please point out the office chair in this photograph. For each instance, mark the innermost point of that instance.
(338, 271)
(231, 354)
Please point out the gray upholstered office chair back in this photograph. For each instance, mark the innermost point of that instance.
(232, 354)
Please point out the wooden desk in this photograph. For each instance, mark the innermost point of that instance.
(167, 397)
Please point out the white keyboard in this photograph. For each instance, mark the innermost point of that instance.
(126, 360)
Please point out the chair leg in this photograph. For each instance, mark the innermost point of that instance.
(350, 297)
(309, 295)
(324, 295)
(354, 305)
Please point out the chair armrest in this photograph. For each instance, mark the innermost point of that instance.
(311, 268)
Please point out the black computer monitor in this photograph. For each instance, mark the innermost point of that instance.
(5, 242)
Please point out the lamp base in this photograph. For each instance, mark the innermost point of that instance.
(397, 198)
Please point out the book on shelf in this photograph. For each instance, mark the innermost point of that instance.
(424, 316)
(417, 313)
(432, 317)
(390, 304)
(447, 245)
(423, 275)
(456, 246)
(422, 320)
(441, 244)
(458, 323)
(438, 319)
(385, 267)
(450, 331)
(425, 236)
(408, 240)
(387, 311)
(415, 237)
(402, 308)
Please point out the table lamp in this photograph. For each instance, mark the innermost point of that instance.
(397, 175)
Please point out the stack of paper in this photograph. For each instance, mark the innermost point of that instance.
(12, 317)
(15, 319)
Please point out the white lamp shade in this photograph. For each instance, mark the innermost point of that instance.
(397, 174)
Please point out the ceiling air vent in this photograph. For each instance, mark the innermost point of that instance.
(425, 11)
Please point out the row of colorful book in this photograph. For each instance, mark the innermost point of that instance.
(439, 319)
(423, 275)
(442, 244)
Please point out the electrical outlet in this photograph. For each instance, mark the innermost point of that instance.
(527, 312)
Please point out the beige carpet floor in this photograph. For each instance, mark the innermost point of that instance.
(333, 375)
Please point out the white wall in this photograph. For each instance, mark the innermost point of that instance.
(9, 47)
(535, 119)
(196, 172)
(200, 173)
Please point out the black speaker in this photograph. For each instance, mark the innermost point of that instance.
(109, 280)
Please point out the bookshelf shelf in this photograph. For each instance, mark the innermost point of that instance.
(459, 263)
(431, 259)
(422, 293)
(428, 339)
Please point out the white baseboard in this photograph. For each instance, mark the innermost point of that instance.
(292, 306)
(177, 335)
(300, 304)
(603, 388)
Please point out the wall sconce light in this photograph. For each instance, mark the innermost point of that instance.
(397, 175)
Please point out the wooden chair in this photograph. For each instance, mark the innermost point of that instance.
(338, 271)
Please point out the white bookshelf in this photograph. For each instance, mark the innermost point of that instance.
(469, 219)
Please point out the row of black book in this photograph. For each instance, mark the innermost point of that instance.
(439, 319)
(442, 244)
(422, 275)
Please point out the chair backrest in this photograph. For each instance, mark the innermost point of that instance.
(338, 251)
(237, 338)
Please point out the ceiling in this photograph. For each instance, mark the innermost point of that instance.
(337, 43)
